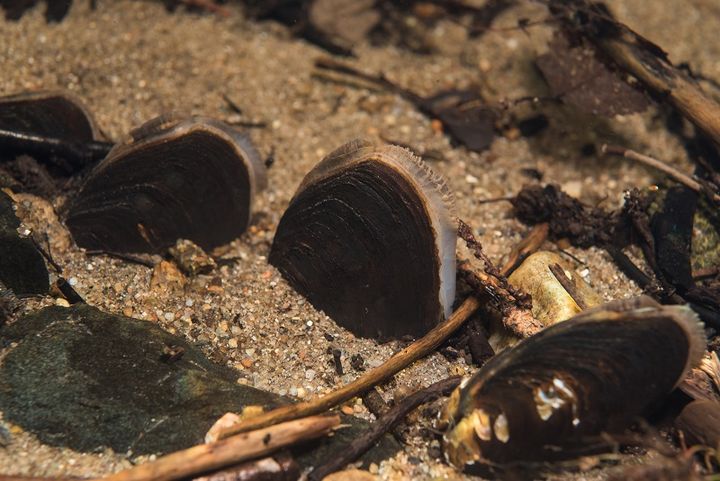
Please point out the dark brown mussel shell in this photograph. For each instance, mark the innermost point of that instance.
(192, 178)
(369, 239)
(699, 422)
(56, 114)
(552, 396)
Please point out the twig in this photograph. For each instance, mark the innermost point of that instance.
(207, 457)
(705, 273)
(514, 304)
(68, 292)
(684, 179)
(379, 81)
(478, 344)
(367, 439)
(374, 402)
(466, 234)
(531, 243)
(417, 350)
(508, 198)
(45, 254)
(567, 284)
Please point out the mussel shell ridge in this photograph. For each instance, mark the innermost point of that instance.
(192, 179)
(369, 239)
(553, 395)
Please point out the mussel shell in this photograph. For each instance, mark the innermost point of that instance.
(551, 396)
(53, 113)
(369, 239)
(192, 179)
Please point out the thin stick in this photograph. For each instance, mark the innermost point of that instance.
(235, 449)
(568, 285)
(417, 350)
(684, 179)
(68, 292)
(374, 402)
(385, 423)
(531, 243)
(379, 81)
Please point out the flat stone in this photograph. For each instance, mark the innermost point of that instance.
(85, 379)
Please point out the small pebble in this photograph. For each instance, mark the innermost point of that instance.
(62, 302)
(247, 362)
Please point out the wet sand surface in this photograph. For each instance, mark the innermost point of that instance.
(132, 60)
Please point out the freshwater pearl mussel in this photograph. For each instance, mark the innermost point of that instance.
(370, 239)
(553, 396)
(53, 126)
(175, 178)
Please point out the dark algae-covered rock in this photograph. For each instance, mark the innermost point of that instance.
(22, 267)
(86, 379)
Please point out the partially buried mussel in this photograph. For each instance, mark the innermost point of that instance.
(552, 396)
(370, 239)
(191, 178)
(54, 127)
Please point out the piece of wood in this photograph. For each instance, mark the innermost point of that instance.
(531, 243)
(417, 350)
(385, 423)
(235, 449)
(568, 285)
(684, 179)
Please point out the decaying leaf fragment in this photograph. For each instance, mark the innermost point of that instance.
(576, 75)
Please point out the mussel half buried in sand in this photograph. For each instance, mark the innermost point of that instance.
(53, 126)
(192, 178)
(369, 238)
(552, 396)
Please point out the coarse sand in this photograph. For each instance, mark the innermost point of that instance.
(132, 60)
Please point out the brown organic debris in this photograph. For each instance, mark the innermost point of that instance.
(577, 76)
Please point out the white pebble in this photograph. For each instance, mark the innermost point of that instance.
(310, 374)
